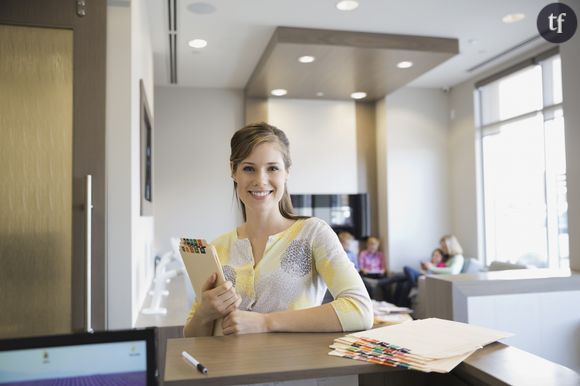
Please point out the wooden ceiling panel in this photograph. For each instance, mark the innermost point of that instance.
(345, 62)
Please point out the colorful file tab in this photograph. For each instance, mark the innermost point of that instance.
(426, 345)
(193, 245)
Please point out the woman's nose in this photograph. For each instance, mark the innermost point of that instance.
(261, 177)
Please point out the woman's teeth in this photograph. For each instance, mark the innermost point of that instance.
(260, 194)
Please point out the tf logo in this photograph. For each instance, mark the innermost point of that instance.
(557, 22)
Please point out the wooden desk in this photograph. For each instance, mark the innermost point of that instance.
(260, 358)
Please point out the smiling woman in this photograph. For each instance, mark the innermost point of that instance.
(278, 265)
(260, 179)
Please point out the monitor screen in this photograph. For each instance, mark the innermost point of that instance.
(103, 358)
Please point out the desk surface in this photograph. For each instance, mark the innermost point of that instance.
(258, 358)
(275, 357)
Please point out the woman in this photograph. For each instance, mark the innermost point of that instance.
(452, 263)
(453, 257)
(371, 265)
(371, 261)
(277, 265)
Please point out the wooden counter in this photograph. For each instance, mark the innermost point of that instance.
(260, 358)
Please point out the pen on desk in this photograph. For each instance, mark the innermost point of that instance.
(202, 369)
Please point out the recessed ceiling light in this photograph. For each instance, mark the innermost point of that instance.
(358, 95)
(306, 59)
(319, 94)
(201, 8)
(405, 64)
(513, 17)
(347, 5)
(279, 92)
(197, 43)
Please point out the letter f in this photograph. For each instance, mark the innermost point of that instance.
(560, 21)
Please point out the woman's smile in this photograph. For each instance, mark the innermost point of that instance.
(260, 194)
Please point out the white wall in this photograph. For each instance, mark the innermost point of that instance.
(118, 144)
(542, 325)
(142, 240)
(417, 178)
(129, 236)
(570, 53)
(193, 186)
(322, 137)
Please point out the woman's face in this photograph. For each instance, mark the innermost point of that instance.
(346, 243)
(261, 178)
(373, 246)
(436, 257)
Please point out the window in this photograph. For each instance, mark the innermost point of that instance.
(524, 166)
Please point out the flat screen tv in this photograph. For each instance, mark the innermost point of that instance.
(343, 212)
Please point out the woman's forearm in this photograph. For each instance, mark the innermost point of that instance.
(441, 270)
(316, 319)
(197, 327)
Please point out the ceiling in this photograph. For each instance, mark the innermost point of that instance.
(346, 62)
(238, 32)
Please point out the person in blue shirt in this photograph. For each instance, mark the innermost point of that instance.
(346, 241)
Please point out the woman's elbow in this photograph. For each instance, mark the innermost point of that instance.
(366, 310)
(368, 317)
(364, 318)
(364, 322)
(367, 321)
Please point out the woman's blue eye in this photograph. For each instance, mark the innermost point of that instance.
(274, 168)
(248, 169)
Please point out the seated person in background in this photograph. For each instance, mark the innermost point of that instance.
(277, 265)
(438, 259)
(453, 257)
(451, 263)
(345, 239)
(371, 263)
(404, 281)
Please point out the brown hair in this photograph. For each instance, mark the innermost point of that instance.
(444, 257)
(245, 140)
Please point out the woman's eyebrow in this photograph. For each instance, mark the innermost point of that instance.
(267, 163)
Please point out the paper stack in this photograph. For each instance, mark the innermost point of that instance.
(387, 313)
(429, 345)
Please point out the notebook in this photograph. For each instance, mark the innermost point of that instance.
(201, 260)
(125, 357)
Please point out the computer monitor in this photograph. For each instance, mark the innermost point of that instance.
(125, 357)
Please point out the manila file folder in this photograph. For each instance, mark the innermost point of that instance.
(201, 260)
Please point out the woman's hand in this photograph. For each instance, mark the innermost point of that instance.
(426, 265)
(245, 322)
(219, 301)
